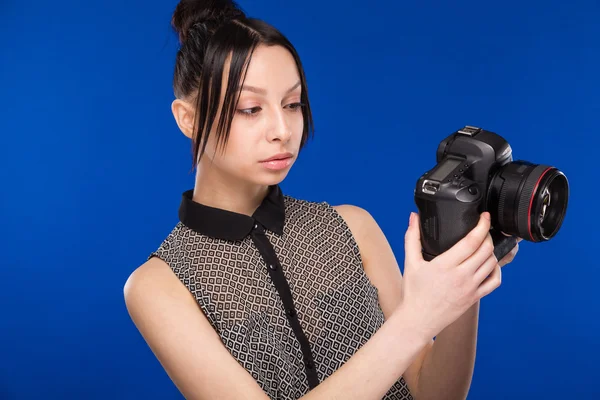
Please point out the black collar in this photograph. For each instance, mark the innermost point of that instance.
(229, 225)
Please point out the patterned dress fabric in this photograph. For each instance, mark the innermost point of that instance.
(285, 288)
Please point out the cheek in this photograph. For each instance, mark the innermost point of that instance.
(297, 125)
(243, 140)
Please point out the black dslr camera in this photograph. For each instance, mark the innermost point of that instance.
(475, 172)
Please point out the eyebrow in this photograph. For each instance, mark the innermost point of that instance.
(263, 91)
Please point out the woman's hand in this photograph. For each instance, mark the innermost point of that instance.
(437, 292)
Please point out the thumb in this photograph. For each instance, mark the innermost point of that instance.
(412, 240)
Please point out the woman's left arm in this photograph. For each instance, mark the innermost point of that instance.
(447, 368)
(444, 368)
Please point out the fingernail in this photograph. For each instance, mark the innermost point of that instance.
(486, 215)
(410, 219)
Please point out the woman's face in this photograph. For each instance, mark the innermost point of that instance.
(268, 122)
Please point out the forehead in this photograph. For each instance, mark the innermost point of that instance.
(272, 67)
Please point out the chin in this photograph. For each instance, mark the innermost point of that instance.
(270, 178)
(274, 179)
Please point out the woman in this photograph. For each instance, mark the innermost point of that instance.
(255, 294)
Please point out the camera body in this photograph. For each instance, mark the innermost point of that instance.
(475, 172)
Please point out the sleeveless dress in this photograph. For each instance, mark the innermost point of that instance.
(285, 288)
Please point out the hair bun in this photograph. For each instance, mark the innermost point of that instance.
(210, 12)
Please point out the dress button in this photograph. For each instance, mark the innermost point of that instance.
(255, 226)
(309, 364)
(272, 267)
(291, 313)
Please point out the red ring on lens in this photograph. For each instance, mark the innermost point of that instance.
(531, 201)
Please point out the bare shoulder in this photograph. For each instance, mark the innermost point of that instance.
(365, 230)
(148, 284)
(182, 338)
(378, 259)
(143, 274)
(154, 274)
(359, 220)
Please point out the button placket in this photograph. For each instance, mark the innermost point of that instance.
(282, 286)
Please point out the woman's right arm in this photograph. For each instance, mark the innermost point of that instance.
(180, 336)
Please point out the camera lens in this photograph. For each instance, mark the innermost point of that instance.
(528, 200)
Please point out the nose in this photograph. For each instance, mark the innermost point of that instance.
(280, 129)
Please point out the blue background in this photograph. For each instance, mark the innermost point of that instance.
(93, 166)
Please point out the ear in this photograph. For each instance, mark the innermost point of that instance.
(183, 112)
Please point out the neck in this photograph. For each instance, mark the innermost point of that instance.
(214, 190)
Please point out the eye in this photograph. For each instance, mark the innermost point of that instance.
(295, 106)
(249, 112)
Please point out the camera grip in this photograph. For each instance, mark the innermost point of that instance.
(444, 223)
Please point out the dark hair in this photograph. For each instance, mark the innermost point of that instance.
(210, 31)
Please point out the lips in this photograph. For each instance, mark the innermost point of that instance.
(280, 156)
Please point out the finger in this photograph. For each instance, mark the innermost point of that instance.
(412, 240)
(490, 283)
(471, 242)
(483, 253)
(486, 268)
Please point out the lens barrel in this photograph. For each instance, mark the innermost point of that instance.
(528, 200)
